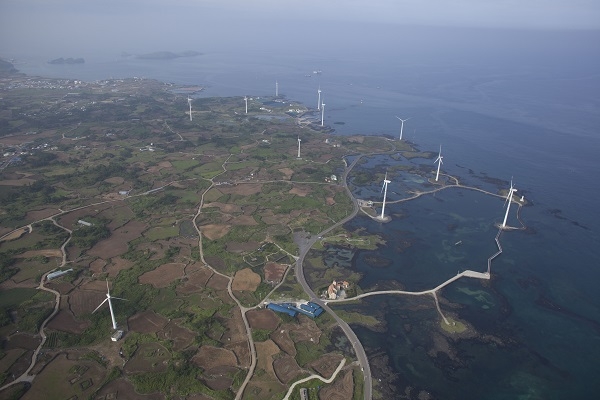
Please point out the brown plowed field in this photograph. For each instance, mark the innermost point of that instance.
(265, 352)
(282, 338)
(147, 322)
(246, 220)
(66, 322)
(214, 231)
(263, 319)
(224, 207)
(306, 331)
(163, 275)
(117, 243)
(242, 189)
(83, 302)
(200, 277)
(241, 351)
(341, 389)
(245, 279)
(286, 368)
(326, 364)
(117, 264)
(217, 282)
(212, 357)
(182, 337)
(274, 272)
(97, 266)
(301, 191)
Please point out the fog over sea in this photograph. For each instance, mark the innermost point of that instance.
(520, 104)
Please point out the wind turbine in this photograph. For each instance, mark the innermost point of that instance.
(384, 189)
(508, 200)
(108, 298)
(402, 125)
(299, 140)
(319, 101)
(440, 162)
(276, 89)
(246, 100)
(190, 104)
(322, 113)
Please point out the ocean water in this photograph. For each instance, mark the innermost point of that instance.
(502, 104)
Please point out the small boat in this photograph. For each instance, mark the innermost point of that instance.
(457, 243)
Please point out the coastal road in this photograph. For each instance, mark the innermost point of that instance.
(305, 245)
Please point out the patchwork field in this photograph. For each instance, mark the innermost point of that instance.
(128, 188)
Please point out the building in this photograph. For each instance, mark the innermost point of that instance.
(337, 290)
(303, 394)
(57, 274)
(116, 336)
(84, 223)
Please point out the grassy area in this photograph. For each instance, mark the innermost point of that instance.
(453, 327)
(357, 318)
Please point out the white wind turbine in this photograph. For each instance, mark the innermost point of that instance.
(299, 140)
(508, 200)
(319, 100)
(246, 100)
(276, 89)
(322, 113)
(402, 125)
(384, 189)
(108, 298)
(190, 104)
(440, 162)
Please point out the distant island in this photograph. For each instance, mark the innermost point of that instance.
(167, 55)
(67, 61)
(7, 68)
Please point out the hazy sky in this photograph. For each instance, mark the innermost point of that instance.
(148, 25)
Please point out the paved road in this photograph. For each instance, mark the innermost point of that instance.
(305, 245)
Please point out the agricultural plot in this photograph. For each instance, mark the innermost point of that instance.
(137, 178)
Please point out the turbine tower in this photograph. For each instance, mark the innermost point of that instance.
(299, 140)
(246, 100)
(402, 125)
(319, 100)
(108, 298)
(322, 113)
(276, 89)
(508, 200)
(190, 104)
(440, 162)
(384, 188)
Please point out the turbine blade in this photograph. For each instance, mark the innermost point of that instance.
(100, 305)
(119, 298)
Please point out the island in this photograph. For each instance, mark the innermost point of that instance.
(61, 61)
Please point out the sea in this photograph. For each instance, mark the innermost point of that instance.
(502, 104)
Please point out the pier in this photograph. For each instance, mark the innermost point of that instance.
(467, 273)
